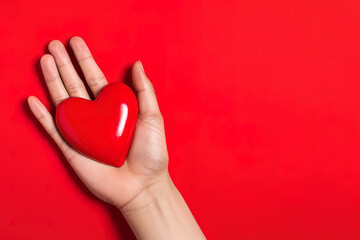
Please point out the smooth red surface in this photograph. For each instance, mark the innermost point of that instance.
(260, 101)
(101, 129)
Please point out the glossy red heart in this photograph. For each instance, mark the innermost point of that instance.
(101, 129)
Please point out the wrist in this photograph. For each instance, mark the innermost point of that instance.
(160, 212)
(150, 196)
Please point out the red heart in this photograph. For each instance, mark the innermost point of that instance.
(101, 129)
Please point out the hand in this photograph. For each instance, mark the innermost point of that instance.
(142, 188)
(146, 164)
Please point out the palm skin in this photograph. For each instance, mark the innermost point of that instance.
(147, 160)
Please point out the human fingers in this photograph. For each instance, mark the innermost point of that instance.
(47, 121)
(56, 88)
(145, 93)
(71, 79)
(93, 75)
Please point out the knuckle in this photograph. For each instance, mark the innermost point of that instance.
(53, 79)
(52, 131)
(58, 99)
(86, 58)
(96, 80)
(74, 88)
(63, 64)
(41, 118)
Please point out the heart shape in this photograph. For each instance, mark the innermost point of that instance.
(101, 129)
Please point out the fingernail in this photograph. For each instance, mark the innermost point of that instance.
(141, 66)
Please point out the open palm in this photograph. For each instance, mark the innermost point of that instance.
(147, 159)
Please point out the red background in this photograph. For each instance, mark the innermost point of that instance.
(261, 108)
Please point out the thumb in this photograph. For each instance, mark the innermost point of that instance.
(145, 92)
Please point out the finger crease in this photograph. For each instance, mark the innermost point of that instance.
(95, 80)
(84, 58)
(63, 64)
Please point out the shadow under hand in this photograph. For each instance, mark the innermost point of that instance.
(128, 76)
(122, 226)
